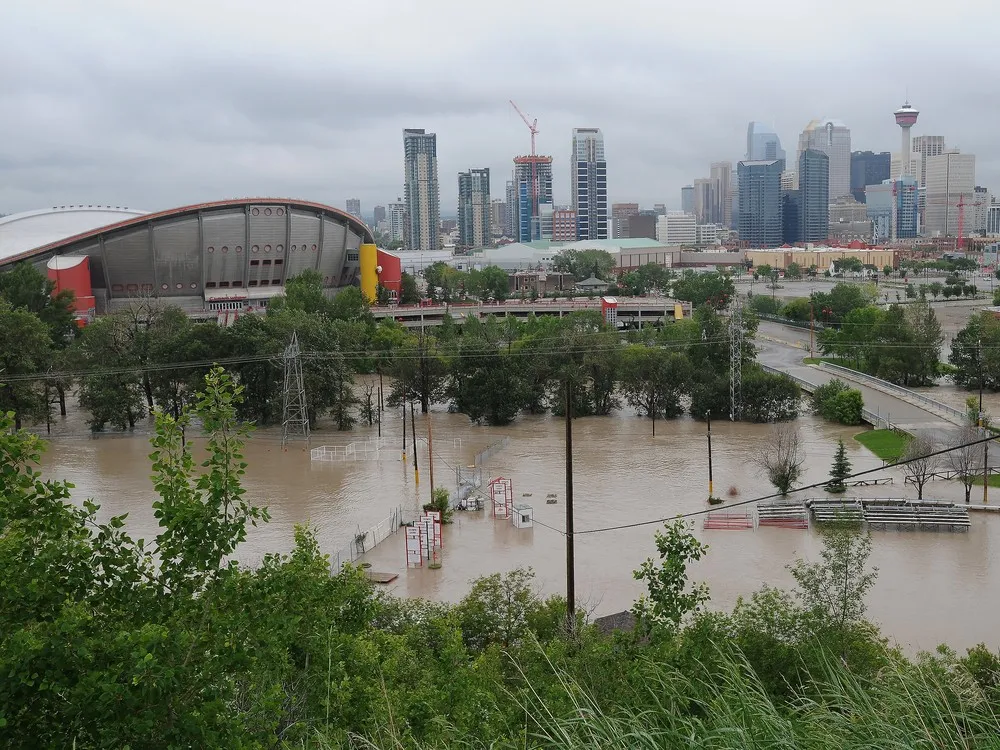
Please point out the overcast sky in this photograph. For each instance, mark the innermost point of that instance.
(160, 103)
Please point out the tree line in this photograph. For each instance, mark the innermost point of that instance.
(111, 641)
(148, 354)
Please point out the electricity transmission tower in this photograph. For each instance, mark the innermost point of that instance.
(736, 342)
(294, 414)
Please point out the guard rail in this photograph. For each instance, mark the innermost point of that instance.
(886, 386)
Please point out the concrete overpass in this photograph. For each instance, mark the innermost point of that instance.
(632, 312)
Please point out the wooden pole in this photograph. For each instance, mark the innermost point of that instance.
(379, 415)
(430, 453)
(404, 431)
(570, 552)
(708, 419)
(413, 434)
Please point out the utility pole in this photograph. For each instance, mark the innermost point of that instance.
(404, 427)
(708, 419)
(430, 453)
(379, 415)
(812, 328)
(413, 434)
(986, 445)
(570, 552)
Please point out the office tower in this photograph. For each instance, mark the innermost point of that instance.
(620, 213)
(721, 173)
(474, 218)
(704, 200)
(791, 216)
(980, 210)
(354, 207)
(379, 215)
(687, 199)
(993, 220)
(906, 118)
(814, 196)
(396, 218)
(951, 179)
(498, 217)
(590, 184)
(660, 208)
(421, 192)
(533, 190)
(833, 138)
(763, 143)
(677, 228)
(563, 225)
(868, 168)
(735, 203)
(927, 146)
(642, 224)
(760, 202)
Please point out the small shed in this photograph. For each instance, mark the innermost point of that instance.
(523, 516)
(593, 284)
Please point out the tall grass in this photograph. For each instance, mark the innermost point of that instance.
(907, 705)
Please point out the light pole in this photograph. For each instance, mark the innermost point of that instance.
(708, 420)
(986, 445)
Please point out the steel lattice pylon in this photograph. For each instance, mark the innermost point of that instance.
(294, 414)
(736, 343)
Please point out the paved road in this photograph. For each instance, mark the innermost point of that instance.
(783, 348)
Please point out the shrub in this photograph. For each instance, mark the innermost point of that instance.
(837, 402)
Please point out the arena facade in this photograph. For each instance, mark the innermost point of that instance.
(225, 256)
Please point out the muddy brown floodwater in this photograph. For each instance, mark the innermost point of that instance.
(932, 587)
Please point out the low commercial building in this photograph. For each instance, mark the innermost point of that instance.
(542, 282)
(821, 257)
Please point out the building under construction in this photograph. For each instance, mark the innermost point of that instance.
(533, 187)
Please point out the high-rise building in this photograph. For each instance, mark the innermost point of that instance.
(421, 192)
(677, 228)
(620, 213)
(563, 225)
(687, 199)
(760, 223)
(660, 208)
(763, 143)
(791, 216)
(868, 168)
(590, 184)
(498, 217)
(951, 179)
(474, 219)
(642, 225)
(533, 190)
(980, 209)
(833, 138)
(721, 173)
(396, 218)
(993, 220)
(705, 201)
(354, 207)
(814, 196)
(906, 207)
(927, 146)
(379, 215)
(510, 227)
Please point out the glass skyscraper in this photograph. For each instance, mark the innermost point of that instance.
(421, 191)
(760, 214)
(868, 168)
(590, 184)
(474, 219)
(814, 196)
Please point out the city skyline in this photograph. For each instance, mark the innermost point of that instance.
(228, 119)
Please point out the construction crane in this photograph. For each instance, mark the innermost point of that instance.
(961, 205)
(533, 128)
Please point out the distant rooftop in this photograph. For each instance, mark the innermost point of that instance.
(25, 231)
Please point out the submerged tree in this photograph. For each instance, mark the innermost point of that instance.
(966, 460)
(780, 457)
(920, 465)
(840, 470)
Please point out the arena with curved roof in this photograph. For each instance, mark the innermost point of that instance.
(226, 255)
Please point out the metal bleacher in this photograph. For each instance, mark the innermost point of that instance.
(891, 513)
(783, 515)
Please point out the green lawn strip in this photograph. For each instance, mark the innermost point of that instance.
(994, 480)
(888, 445)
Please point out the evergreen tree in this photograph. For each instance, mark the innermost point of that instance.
(840, 470)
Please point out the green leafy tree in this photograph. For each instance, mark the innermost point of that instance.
(443, 281)
(793, 271)
(975, 353)
(585, 263)
(769, 397)
(408, 293)
(350, 305)
(935, 288)
(487, 378)
(653, 381)
(911, 292)
(493, 282)
(838, 402)
(834, 588)
(28, 288)
(670, 598)
(840, 470)
(113, 347)
(420, 371)
(25, 352)
(763, 271)
(498, 610)
(174, 339)
(796, 309)
(714, 289)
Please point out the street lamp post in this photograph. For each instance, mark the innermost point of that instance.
(986, 445)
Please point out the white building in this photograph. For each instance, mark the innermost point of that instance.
(395, 217)
(833, 138)
(951, 178)
(993, 220)
(710, 234)
(677, 228)
(915, 170)
(422, 194)
(789, 180)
